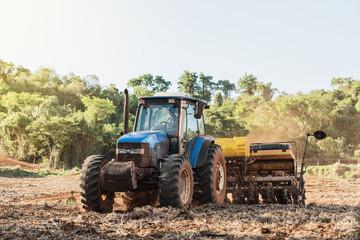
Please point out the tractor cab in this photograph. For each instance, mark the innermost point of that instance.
(160, 158)
(170, 121)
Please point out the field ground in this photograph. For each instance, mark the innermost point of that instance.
(35, 208)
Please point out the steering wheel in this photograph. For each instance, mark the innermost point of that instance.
(164, 124)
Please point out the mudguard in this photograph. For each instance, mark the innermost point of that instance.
(199, 150)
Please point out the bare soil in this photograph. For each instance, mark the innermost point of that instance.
(8, 161)
(34, 208)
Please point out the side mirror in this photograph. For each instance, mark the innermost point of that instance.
(319, 135)
(199, 108)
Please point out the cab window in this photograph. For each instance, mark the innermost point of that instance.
(191, 126)
(190, 129)
(201, 126)
(158, 116)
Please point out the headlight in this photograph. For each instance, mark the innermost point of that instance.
(130, 151)
(121, 151)
(136, 151)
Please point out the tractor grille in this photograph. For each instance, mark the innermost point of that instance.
(140, 160)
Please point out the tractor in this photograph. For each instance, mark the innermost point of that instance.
(167, 158)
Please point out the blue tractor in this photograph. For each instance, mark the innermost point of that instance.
(167, 158)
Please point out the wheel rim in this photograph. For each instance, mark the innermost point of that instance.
(185, 186)
(220, 178)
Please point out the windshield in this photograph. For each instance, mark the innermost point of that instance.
(158, 117)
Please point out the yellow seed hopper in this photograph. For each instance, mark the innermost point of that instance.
(234, 147)
(266, 169)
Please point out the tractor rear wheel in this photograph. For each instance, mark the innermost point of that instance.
(176, 182)
(137, 199)
(93, 197)
(212, 177)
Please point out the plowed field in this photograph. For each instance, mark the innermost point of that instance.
(34, 208)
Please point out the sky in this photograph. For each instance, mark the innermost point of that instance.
(296, 45)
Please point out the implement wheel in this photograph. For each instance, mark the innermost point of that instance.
(176, 182)
(212, 177)
(93, 197)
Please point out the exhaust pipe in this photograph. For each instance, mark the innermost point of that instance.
(126, 112)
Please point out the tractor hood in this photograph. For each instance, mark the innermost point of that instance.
(151, 137)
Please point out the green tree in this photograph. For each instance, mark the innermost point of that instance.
(221, 122)
(226, 87)
(14, 136)
(6, 71)
(207, 86)
(71, 90)
(266, 91)
(97, 110)
(342, 81)
(146, 84)
(52, 136)
(218, 100)
(117, 98)
(159, 84)
(248, 84)
(22, 102)
(334, 147)
(188, 83)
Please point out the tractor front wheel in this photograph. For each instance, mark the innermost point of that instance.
(93, 197)
(176, 182)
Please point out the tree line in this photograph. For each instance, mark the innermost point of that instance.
(59, 120)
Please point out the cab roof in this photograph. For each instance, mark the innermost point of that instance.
(179, 97)
(200, 104)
